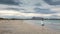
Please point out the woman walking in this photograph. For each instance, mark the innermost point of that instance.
(42, 23)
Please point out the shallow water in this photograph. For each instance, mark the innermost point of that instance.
(53, 24)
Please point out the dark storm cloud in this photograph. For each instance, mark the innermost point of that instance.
(10, 2)
(37, 4)
(43, 11)
(53, 2)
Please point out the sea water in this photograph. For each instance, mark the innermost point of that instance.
(53, 24)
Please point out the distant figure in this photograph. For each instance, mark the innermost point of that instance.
(42, 23)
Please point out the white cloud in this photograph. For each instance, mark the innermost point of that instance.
(11, 12)
(57, 14)
(55, 9)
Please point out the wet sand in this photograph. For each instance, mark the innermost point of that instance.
(20, 27)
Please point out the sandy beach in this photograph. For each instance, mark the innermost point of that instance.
(20, 27)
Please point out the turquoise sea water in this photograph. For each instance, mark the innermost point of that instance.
(53, 24)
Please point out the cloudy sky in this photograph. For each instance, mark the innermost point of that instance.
(29, 8)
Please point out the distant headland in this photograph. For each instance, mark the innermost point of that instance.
(33, 18)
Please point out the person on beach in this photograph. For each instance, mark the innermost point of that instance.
(42, 23)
